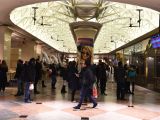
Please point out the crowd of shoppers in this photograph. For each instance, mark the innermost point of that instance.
(34, 71)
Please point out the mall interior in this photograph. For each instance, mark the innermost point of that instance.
(56, 35)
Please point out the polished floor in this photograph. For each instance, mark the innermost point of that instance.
(52, 105)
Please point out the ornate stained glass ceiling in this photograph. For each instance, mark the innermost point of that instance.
(49, 21)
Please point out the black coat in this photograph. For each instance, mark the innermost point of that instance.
(101, 71)
(64, 73)
(3, 73)
(73, 80)
(30, 72)
(38, 68)
(54, 70)
(19, 71)
(120, 74)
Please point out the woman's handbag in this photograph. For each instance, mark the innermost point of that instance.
(94, 90)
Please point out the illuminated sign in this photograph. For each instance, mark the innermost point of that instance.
(155, 41)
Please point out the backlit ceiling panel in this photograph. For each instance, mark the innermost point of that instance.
(49, 21)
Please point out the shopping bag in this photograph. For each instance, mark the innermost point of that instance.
(31, 87)
(94, 91)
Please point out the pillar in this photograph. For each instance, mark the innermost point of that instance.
(5, 44)
(85, 34)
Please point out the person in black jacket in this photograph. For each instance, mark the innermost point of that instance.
(53, 75)
(87, 80)
(73, 80)
(120, 78)
(18, 76)
(64, 74)
(3, 75)
(30, 73)
(102, 76)
(38, 77)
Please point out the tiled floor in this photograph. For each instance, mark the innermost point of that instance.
(57, 106)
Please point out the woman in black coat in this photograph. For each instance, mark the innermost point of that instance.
(73, 80)
(3, 75)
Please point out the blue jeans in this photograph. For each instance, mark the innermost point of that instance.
(27, 92)
(86, 92)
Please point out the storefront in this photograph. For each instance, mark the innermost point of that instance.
(146, 58)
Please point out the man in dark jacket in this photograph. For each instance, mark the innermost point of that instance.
(18, 76)
(38, 68)
(101, 76)
(119, 76)
(87, 78)
(30, 73)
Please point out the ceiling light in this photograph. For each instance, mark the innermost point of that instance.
(60, 14)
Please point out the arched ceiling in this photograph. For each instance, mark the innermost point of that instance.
(115, 18)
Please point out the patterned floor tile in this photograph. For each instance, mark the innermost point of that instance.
(139, 113)
(85, 111)
(7, 114)
(18, 119)
(150, 107)
(109, 106)
(56, 115)
(1, 106)
(30, 109)
(113, 116)
(157, 118)
(9, 103)
(57, 106)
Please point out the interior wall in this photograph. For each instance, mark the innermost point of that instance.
(15, 55)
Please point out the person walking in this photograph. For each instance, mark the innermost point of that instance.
(87, 80)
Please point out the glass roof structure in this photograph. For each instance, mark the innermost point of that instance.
(49, 22)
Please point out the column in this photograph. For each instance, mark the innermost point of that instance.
(5, 44)
(85, 34)
(85, 44)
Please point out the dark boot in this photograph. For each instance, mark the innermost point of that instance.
(43, 85)
(63, 89)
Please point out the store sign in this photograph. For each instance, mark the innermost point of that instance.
(155, 41)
